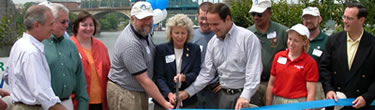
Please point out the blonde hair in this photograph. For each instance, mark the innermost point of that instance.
(307, 46)
(179, 20)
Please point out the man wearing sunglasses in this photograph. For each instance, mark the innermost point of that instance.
(67, 76)
(273, 38)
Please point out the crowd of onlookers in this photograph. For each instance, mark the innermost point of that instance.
(218, 65)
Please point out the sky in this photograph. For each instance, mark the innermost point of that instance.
(24, 1)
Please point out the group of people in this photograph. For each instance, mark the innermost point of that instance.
(219, 65)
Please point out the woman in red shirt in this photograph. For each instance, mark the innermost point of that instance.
(294, 73)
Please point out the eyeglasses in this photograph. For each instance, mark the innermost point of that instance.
(64, 21)
(347, 18)
(256, 14)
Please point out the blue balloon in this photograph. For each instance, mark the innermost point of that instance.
(153, 3)
(161, 4)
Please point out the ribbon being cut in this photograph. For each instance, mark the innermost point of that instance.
(302, 105)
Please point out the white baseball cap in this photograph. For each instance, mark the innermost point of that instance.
(259, 6)
(339, 95)
(300, 29)
(141, 10)
(314, 11)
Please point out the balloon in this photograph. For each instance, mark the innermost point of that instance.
(158, 16)
(165, 13)
(161, 4)
(153, 3)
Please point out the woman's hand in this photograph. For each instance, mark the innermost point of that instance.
(181, 76)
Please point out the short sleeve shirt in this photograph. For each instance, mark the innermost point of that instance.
(291, 76)
(132, 55)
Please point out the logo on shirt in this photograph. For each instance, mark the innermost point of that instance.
(298, 66)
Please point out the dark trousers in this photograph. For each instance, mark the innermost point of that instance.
(227, 101)
(95, 107)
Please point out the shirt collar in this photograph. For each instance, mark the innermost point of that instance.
(57, 39)
(319, 37)
(232, 30)
(300, 57)
(351, 40)
(137, 34)
(34, 41)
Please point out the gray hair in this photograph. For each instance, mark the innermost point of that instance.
(179, 20)
(56, 8)
(36, 13)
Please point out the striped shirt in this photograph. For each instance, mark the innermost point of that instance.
(132, 55)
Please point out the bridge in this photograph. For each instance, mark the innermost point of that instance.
(99, 12)
(102, 11)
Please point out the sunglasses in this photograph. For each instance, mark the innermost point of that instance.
(64, 21)
(257, 14)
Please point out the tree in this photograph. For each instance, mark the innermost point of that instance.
(289, 14)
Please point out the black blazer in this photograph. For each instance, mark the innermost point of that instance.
(164, 72)
(335, 73)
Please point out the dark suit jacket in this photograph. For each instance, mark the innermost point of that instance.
(336, 76)
(165, 72)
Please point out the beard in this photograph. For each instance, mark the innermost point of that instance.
(311, 27)
(144, 30)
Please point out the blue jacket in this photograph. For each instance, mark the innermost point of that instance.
(164, 72)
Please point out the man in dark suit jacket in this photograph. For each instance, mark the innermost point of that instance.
(348, 63)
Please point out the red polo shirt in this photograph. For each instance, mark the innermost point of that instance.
(291, 76)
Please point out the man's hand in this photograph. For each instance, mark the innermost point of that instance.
(167, 105)
(181, 76)
(241, 103)
(359, 102)
(216, 89)
(172, 98)
(183, 95)
(331, 95)
(4, 93)
(3, 105)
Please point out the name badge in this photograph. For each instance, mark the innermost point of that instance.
(317, 52)
(281, 60)
(170, 58)
(201, 46)
(148, 50)
(271, 35)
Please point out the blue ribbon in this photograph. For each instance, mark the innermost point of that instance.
(301, 105)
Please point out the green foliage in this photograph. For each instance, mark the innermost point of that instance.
(289, 14)
(8, 31)
(112, 21)
(239, 12)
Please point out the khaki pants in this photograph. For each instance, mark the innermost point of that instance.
(281, 100)
(21, 106)
(122, 99)
(319, 92)
(259, 98)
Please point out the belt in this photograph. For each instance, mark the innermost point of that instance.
(64, 99)
(211, 87)
(27, 104)
(232, 91)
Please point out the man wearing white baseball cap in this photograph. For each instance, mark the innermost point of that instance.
(132, 66)
(312, 19)
(274, 39)
(294, 73)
